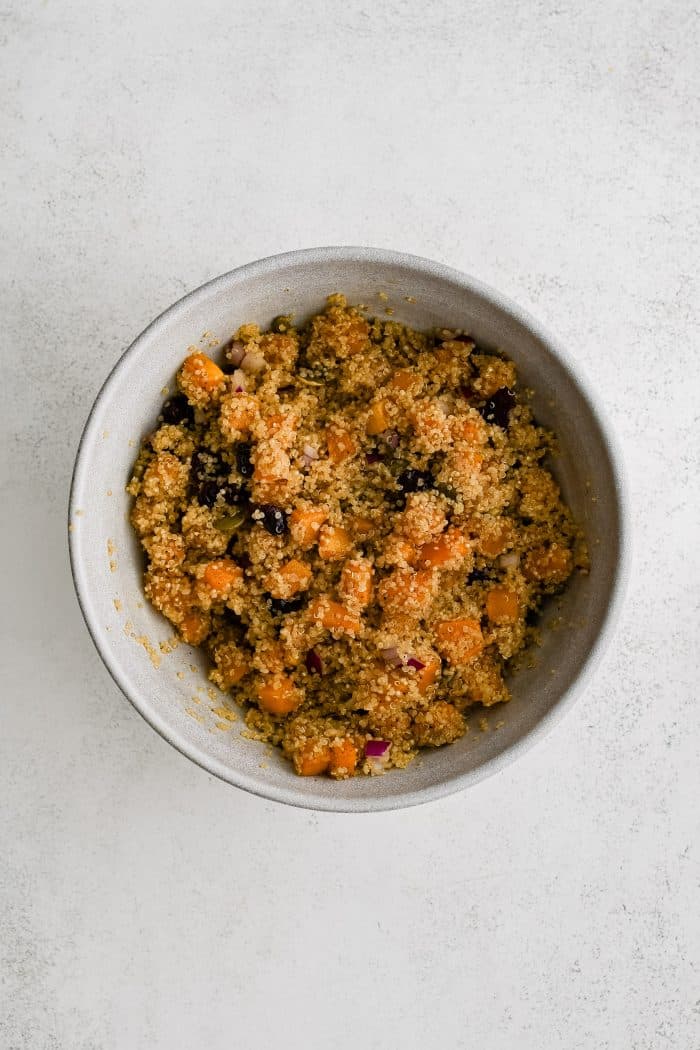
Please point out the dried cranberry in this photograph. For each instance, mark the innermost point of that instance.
(313, 662)
(206, 465)
(498, 408)
(233, 494)
(177, 410)
(243, 462)
(479, 576)
(198, 466)
(412, 480)
(416, 664)
(273, 519)
(448, 492)
(278, 606)
(207, 493)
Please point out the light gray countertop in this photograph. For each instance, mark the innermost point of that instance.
(550, 149)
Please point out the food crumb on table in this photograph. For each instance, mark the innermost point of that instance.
(226, 713)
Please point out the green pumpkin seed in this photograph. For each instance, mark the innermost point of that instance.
(396, 466)
(228, 523)
(281, 324)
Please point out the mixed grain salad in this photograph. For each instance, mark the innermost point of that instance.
(356, 523)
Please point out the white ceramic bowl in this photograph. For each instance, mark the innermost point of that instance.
(107, 564)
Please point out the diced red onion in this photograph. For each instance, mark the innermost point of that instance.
(239, 381)
(391, 657)
(253, 363)
(310, 452)
(373, 457)
(415, 664)
(509, 561)
(377, 748)
(313, 662)
(236, 352)
(392, 439)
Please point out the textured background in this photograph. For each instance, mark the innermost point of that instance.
(551, 149)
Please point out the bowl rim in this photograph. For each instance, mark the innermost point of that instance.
(289, 795)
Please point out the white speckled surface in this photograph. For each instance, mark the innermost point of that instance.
(552, 150)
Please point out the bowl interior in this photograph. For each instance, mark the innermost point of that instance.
(170, 688)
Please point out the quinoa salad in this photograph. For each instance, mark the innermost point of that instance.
(356, 523)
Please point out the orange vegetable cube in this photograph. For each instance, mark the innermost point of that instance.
(399, 551)
(166, 549)
(440, 724)
(312, 760)
(548, 564)
(404, 379)
(494, 373)
(283, 426)
(377, 419)
(304, 525)
(194, 627)
(449, 551)
(432, 425)
(231, 665)
(335, 617)
(222, 575)
(502, 605)
(407, 591)
(238, 415)
(356, 335)
(291, 578)
(428, 675)
(362, 526)
(341, 445)
(459, 640)
(165, 477)
(170, 592)
(334, 542)
(199, 372)
(270, 656)
(343, 759)
(469, 429)
(344, 334)
(423, 519)
(356, 581)
(270, 491)
(444, 355)
(278, 695)
(271, 462)
(494, 541)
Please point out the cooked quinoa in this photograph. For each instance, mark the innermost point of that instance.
(355, 521)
